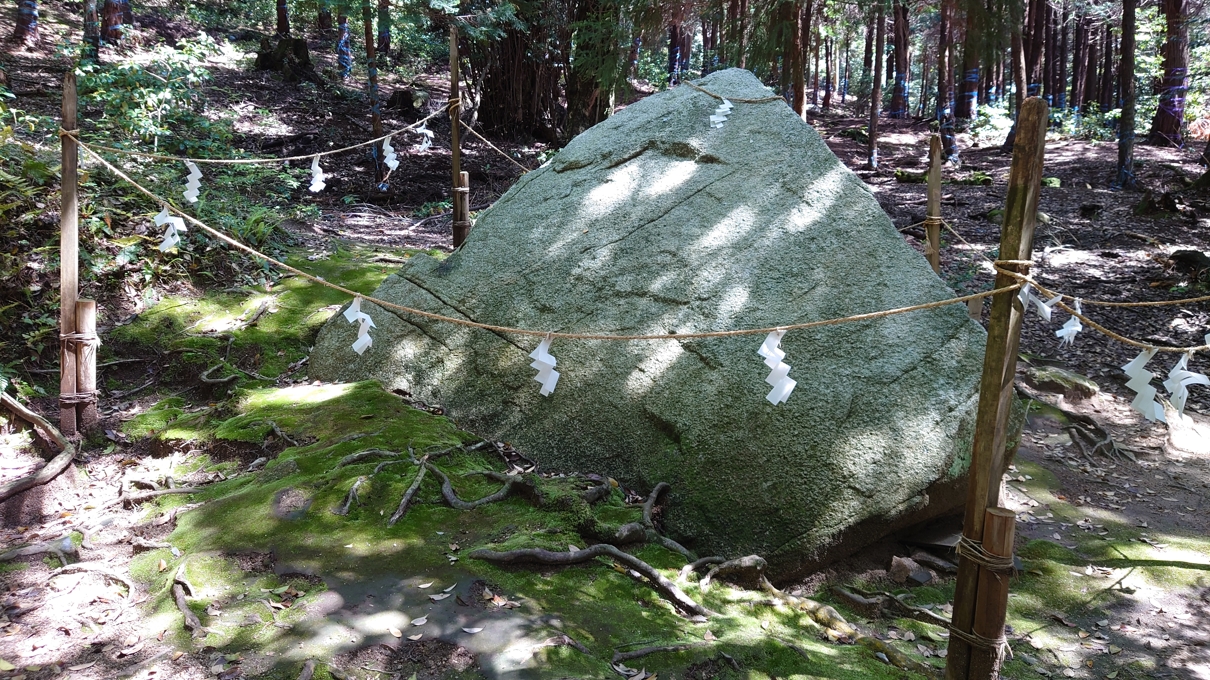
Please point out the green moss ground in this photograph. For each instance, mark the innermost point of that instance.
(596, 604)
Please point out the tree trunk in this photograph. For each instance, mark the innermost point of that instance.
(876, 93)
(384, 33)
(92, 31)
(1078, 57)
(743, 33)
(924, 81)
(1166, 126)
(1033, 43)
(674, 54)
(902, 38)
(344, 48)
(283, 19)
(367, 20)
(323, 20)
(1105, 99)
(1050, 51)
(814, 34)
(827, 70)
(112, 30)
(1018, 68)
(967, 105)
(596, 64)
(794, 56)
(26, 30)
(945, 84)
(1092, 63)
(1061, 94)
(1125, 178)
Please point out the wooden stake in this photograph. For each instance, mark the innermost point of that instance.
(998, 527)
(932, 222)
(86, 363)
(455, 148)
(69, 252)
(999, 364)
(462, 208)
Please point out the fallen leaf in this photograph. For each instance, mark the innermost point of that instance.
(1114, 649)
(6, 666)
(709, 636)
(487, 594)
(177, 654)
(472, 631)
(81, 666)
(450, 588)
(396, 632)
(764, 624)
(425, 585)
(415, 637)
(163, 565)
(438, 597)
(572, 548)
(420, 621)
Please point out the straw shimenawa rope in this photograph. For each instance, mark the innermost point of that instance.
(493, 146)
(74, 134)
(525, 331)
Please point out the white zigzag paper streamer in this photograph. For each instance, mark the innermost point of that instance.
(1044, 308)
(1069, 330)
(1179, 380)
(720, 114)
(1140, 381)
(779, 377)
(388, 154)
(172, 235)
(427, 140)
(354, 314)
(193, 182)
(544, 363)
(317, 176)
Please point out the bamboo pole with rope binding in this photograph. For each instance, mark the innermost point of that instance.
(69, 260)
(461, 225)
(996, 390)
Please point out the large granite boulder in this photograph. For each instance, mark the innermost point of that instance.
(655, 222)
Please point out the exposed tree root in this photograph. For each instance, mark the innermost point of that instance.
(839, 630)
(179, 584)
(447, 490)
(892, 605)
(308, 670)
(205, 376)
(368, 454)
(49, 471)
(598, 491)
(59, 547)
(695, 566)
(407, 496)
(649, 504)
(1083, 430)
(619, 657)
(751, 568)
(97, 569)
(148, 495)
(349, 498)
(661, 584)
(653, 534)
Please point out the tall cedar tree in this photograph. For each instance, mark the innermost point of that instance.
(26, 30)
(945, 84)
(876, 94)
(1125, 179)
(972, 54)
(902, 37)
(1166, 126)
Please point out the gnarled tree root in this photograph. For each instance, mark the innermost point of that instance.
(52, 469)
(842, 631)
(349, 498)
(308, 670)
(58, 547)
(619, 657)
(407, 496)
(368, 454)
(653, 534)
(667, 588)
(97, 569)
(192, 622)
(447, 490)
(882, 602)
(751, 568)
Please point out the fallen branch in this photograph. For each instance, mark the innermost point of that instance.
(127, 393)
(308, 670)
(58, 547)
(95, 568)
(407, 496)
(205, 376)
(619, 657)
(894, 605)
(352, 495)
(649, 504)
(34, 419)
(663, 585)
(694, 566)
(179, 583)
(53, 468)
(148, 495)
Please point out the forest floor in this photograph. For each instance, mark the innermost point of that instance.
(1116, 578)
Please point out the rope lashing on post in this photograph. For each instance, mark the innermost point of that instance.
(998, 645)
(75, 135)
(973, 550)
(69, 342)
(525, 331)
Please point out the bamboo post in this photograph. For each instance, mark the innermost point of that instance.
(69, 251)
(455, 106)
(462, 208)
(86, 364)
(932, 220)
(999, 525)
(999, 364)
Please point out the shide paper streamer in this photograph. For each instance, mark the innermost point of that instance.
(193, 182)
(426, 139)
(388, 155)
(1069, 330)
(1179, 380)
(1044, 308)
(1140, 381)
(172, 235)
(317, 176)
(779, 377)
(544, 363)
(720, 114)
(353, 315)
